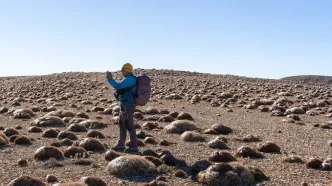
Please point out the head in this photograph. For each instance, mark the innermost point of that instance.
(126, 69)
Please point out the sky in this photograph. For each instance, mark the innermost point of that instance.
(256, 38)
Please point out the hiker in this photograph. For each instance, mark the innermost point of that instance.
(125, 92)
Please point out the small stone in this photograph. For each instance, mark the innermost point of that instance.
(180, 174)
(22, 163)
(51, 179)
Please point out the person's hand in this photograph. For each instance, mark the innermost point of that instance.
(109, 74)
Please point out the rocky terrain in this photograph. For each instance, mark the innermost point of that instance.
(197, 129)
(310, 79)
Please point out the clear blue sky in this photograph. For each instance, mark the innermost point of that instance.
(258, 38)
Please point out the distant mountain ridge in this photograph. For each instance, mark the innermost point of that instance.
(310, 79)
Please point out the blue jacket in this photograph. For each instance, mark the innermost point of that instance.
(129, 80)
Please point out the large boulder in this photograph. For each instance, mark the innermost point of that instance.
(180, 126)
(295, 110)
(26, 181)
(192, 136)
(47, 152)
(131, 165)
(91, 144)
(25, 113)
(93, 124)
(48, 121)
(221, 129)
(223, 174)
(75, 152)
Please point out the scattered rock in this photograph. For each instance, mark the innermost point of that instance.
(48, 121)
(184, 116)
(77, 128)
(217, 143)
(156, 161)
(166, 119)
(75, 152)
(221, 129)
(95, 134)
(200, 165)
(91, 144)
(151, 111)
(111, 155)
(150, 140)
(210, 131)
(192, 136)
(269, 148)
(47, 152)
(313, 163)
(67, 134)
(131, 165)
(223, 156)
(246, 152)
(22, 140)
(150, 126)
(66, 142)
(22, 163)
(226, 175)
(34, 129)
(180, 126)
(293, 159)
(180, 174)
(51, 179)
(93, 124)
(26, 181)
(50, 133)
(10, 132)
(164, 143)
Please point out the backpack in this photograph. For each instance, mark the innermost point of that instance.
(143, 94)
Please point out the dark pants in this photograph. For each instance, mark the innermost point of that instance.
(127, 123)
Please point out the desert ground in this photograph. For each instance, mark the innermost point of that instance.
(197, 129)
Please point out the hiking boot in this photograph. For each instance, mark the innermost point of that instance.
(119, 148)
(131, 150)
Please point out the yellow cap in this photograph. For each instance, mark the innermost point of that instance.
(127, 67)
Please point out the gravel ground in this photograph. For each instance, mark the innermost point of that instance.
(305, 141)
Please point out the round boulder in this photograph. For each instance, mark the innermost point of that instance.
(47, 152)
(268, 148)
(245, 152)
(217, 156)
(34, 129)
(48, 121)
(77, 128)
(95, 134)
(131, 165)
(67, 135)
(75, 152)
(25, 181)
(111, 155)
(180, 126)
(91, 144)
(221, 129)
(192, 136)
(50, 133)
(184, 116)
(22, 140)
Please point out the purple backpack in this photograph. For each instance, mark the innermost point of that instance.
(143, 90)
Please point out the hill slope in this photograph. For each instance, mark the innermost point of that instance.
(310, 79)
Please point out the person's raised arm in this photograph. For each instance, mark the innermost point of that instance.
(127, 82)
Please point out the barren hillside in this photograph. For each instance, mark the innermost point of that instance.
(197, 129)
(311, 79)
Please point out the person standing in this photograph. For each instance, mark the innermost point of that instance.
(125, 91)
